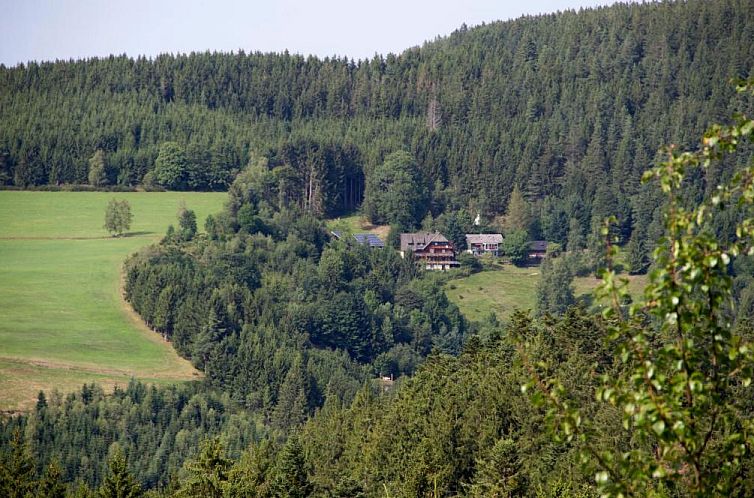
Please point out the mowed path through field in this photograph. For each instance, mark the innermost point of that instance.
(63, 321)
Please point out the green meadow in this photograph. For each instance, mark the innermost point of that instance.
(357, 223)
(500, 289)
(64, 321)
(504, 288)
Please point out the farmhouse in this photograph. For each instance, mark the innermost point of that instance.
(484, 243)
(432, 249)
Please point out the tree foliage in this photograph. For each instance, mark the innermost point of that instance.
(684, 386)
(518, 213)
(171, 168)
(119, 483)
(516, 246)
(551, 115)
(554, 289)
(395, 192)
(97, 169)
(560, 106)
(118, 216)
(207, 474)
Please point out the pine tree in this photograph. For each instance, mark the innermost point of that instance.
(292, 406)
(518, 214)
(251, 475)
(187, 224)
(554, 289)
(637, 257)
(17, 474)
(576, 241)
(291, 472)
(51, 485)
(119, 483)
(207, 473)
(501, 474)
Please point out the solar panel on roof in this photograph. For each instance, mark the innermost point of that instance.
(369, 238)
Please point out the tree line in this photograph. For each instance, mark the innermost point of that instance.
(571, 107)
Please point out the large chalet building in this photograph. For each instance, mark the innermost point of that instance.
(433, 250)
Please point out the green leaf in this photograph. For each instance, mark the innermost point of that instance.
(658, 427)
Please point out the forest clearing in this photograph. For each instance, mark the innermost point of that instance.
(503, 288)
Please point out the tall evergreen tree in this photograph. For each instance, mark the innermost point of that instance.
(119, 483)
(51, 485)
(17, 470)
(207, 474)
(518, 213)
(554, 289)
(291, 472)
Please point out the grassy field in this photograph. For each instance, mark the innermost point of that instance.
(503, 288)
(64, 320)
(499, 290)
(357, 224)
(636, 284)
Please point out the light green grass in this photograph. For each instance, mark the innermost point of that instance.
(636, 285)
(356, 223)
(504, 288)
(63, 319)
(499, 290)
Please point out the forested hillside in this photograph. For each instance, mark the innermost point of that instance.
(552, 119)
(572, 107)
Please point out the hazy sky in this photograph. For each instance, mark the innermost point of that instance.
(64, 29)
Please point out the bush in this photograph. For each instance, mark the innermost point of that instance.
(470, 262)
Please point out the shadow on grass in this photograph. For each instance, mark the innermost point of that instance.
(105, 237)
(136, 234)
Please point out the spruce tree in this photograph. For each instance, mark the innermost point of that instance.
(501, 474)
(636, 257)
(187, 224)
(207, 473)
(51, 485)
(17, 470)
(554, 289)
(291, 472)
(119, 483)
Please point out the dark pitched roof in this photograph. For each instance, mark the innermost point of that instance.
(337, 234)
(538, 245)
(420, 240)
(369, 239)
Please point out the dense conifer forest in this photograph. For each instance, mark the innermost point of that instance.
(572, 107)
(543, 124)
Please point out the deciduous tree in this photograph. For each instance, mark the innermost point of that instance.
(516, 246)
(684, 384)
(118, 216)
(171, 167)
(395, 192)
(97, 169)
